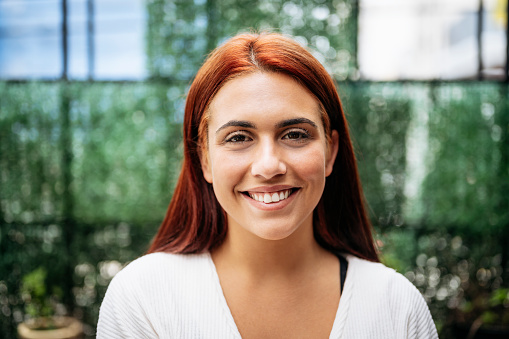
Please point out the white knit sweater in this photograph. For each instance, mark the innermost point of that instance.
(165, 295)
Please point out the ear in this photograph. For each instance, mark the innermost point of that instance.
(205, 165)
(332, 152)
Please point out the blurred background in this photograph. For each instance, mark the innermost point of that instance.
(91, 107)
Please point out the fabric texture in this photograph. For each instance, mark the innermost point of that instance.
(163, 295)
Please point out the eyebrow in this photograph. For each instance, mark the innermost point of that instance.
(236, 123)
(282, 124)
(296, 121)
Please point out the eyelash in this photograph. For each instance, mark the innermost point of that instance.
(301, 133)
(229, 138)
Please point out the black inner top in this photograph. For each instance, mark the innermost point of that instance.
(342, 271)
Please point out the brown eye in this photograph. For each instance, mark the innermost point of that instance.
(296, 135)
(237, 138)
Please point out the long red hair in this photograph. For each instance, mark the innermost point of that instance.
(195, 222)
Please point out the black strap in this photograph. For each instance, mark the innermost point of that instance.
(342, 271)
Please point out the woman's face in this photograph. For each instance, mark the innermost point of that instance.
(267, 155)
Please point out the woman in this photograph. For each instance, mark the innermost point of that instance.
(266, 235)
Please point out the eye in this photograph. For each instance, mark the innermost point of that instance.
(236, 138)
(297, 135)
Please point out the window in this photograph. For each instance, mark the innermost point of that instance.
(432, 39)
(105, 39)
(397, 40)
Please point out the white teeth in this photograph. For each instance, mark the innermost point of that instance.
(257, 197)
(268, 198)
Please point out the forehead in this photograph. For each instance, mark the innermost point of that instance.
(263, 95)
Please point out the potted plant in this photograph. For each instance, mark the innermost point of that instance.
(43, 322)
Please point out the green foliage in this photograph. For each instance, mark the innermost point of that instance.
(126, 152)
(31, 183)
(463, 188)
(499, 297)
(34, 291)
(379, 116)
(34, 285)
(182, 33)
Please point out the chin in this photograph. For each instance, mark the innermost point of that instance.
(274, 233)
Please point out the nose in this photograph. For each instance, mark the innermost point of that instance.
(268, 161)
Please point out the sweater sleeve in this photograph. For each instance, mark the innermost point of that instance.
(413, 307)
(420, 324)
(122, 314)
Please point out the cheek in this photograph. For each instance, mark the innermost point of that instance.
(311, 164)
(227, 169)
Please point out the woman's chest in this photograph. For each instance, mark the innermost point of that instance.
(284, 313)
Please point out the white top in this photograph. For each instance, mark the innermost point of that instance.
(163, 295)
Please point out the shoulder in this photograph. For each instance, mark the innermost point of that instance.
(379, 277)
(157, 275)
(159, 263)
(389, 296)
(146, 294)
(162, 260)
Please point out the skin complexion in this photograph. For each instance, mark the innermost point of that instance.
(267, 154)
(267, 159)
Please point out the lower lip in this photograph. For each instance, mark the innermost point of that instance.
(273, 206)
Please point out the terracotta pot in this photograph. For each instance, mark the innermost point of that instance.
(62, 328)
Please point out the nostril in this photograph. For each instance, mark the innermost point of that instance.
(268, 167)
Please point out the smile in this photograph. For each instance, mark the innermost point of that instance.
(270, 197)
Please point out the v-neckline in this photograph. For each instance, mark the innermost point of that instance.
(341, 312)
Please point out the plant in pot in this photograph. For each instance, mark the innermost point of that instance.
(40, 309)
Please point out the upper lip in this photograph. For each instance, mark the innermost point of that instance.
(267, 189)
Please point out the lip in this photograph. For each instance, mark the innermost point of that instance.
(273, 206)
(269, 189)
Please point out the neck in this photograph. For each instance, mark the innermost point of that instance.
(259, 258)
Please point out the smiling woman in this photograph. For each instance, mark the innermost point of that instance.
(266, 234)
(266, 139)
